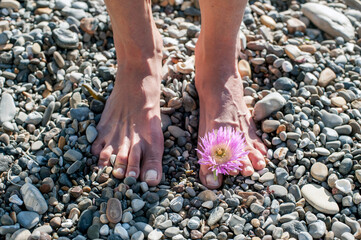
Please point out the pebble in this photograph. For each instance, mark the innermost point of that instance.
(7, 108)
(326, 76)
(121, 232)
(176, 204)
(320, 198)
(263, 108)
(137, 204)
(28, 219)
(33, 199)
(114, 210)
(215, 216)
(319, 171)
(325, 17)
(339, 228)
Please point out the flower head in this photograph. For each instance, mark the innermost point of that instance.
(223, 150)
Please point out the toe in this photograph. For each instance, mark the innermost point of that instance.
(247, 168)
(96, 148)
(134, 161)
(257, 159)
(234, 172)
(260, 147)
(104, 156)
(121, 162)
(207, 178)
(152, 169)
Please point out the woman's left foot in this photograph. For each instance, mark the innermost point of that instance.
(221, 102)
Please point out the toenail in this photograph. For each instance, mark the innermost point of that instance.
(248, 169)
(211, 181)
(120, 171)
(112, 159)
(151, 175)
(132, 174)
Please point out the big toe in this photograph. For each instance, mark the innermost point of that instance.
(207, 178)
(151, 171)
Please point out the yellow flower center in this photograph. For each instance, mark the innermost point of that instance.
(221, 154)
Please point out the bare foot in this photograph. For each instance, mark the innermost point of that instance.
(130, 126)
(220, 90)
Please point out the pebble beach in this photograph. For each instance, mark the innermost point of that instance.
(300, 62)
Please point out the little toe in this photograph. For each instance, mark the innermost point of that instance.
(151, 172)
(207, 178)
(257, 159)
(134, 162)
(247, 168)
(104, 156)
(120, 165)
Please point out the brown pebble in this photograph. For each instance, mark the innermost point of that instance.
(244, 69)
(61, 142)
(114, 210)
(74, 212)
(4, 138)
(255, 222)
(86, 189)
(55, 222)
(76, 191)
(294, 25)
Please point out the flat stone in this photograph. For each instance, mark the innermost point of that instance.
(215, 216)
(338, 228)
(244, 69)
(21, 234)
(207, 195)
(269, 126)
(320, 198)
(317, 229)
(33, 199)
(7, 108)
(294, 25)
(292, 51)
(65, 38)
(91, 133)
(176, 131)
(319, 171)
(331, 120)
(114, 210)
(338, 101)
(156, 234)
(172, 231)
(329, 20)
(270, 103)
(73, 155)
(137, 204)
(268, 21)
(278, 190)
(28, 219)
(10, 4)
(120, 231)
(326, 76)
(294, 227)
(176, 204)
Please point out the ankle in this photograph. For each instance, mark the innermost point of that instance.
(136, 51)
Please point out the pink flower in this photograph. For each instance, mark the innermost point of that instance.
(223, 150)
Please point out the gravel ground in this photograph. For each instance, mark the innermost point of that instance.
(301, 68)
